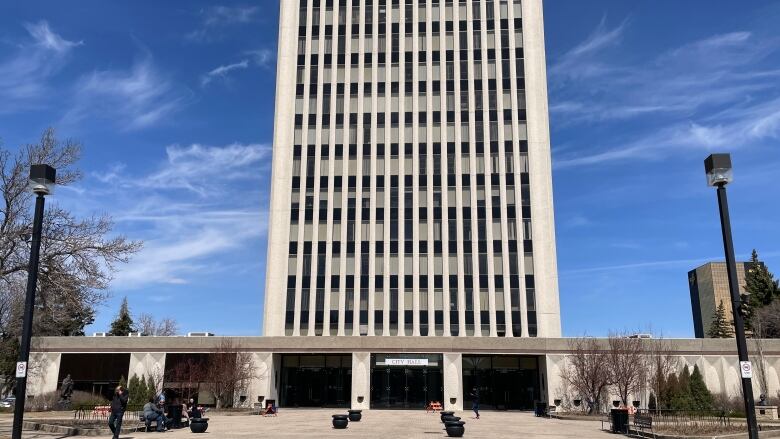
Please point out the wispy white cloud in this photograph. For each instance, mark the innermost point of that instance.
(707, 94)
(135, 98)
(220, 16)
(582, 60)
(25, 75)
(222, 71)
(261, 57)
(665, 263)
(197, 205)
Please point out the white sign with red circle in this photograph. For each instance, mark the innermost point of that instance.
(746, 369)
(21, 369)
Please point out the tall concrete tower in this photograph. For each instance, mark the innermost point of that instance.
(411, 188)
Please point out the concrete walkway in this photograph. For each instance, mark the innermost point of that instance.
(316, 423)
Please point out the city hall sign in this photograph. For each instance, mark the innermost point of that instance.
(406, 361)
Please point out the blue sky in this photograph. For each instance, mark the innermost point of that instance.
(173, 102)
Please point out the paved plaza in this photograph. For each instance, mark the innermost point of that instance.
(316, 423)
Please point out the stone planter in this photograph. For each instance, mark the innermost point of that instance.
(199, 425)
(449, 419)
(340, 421)
(355, 415)
(455, 428)
(443, 414)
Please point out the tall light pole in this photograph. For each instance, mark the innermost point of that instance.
(42, 179)
(719, 174)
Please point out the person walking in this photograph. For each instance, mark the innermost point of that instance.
(475, 401)
(118, 406)
(152, 413)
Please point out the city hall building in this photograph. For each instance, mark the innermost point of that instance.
(411, 246)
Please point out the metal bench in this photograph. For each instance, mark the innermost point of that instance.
(642, 422)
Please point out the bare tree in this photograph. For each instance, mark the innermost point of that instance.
(78, 255)
(661, 363)
(163, 328)
(627, 364)
(587, 371)
(229, 371)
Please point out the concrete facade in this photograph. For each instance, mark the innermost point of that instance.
(411, 182)
(716, 359)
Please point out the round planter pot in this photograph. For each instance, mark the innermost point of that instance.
(450, 418)
(340, 421)
(355, 415)
(455, 428)
(199, 425)
(443, 414)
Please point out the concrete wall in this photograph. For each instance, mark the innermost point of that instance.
(149, 364)
(43, 373)
(716, 359)
(720, 372)
(264, 382)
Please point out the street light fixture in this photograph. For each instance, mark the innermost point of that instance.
(719, 174)
(42, 180)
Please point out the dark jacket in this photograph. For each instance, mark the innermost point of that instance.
(119, 403)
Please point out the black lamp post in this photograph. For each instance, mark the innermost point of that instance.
(42, 179)
(719, 174)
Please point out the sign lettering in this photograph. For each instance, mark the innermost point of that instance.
(406, 361)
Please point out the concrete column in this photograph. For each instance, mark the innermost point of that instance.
(44, 372)
(452, 371)
(549, 376)
(551, 367)
(361, 380)
(264, 382)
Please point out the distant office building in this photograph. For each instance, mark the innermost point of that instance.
(709, 286)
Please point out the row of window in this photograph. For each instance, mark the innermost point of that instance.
(437, 12)
(314, 316)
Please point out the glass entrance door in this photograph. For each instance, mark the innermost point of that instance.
(405, 386)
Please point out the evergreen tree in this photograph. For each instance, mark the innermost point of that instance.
(670, 389)
(143, 389)
(702, 398)
(151, 387)
(123, 381)
(760, 284)
(681, 398)
(123, 323)
(652, 404)
(760, 289)
(134, 389)
(720, 326)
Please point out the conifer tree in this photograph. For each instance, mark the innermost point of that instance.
(681, 398)
(700, 394)
(123, 323)
(137, 390)
(123, 381)
(670, 390)
(761, 289)
(720, 326)
(760, 284)
(652, 404)
(143, 388)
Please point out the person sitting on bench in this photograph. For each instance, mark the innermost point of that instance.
(152, 413)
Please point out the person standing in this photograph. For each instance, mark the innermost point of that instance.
(118, 406)
(475, 401)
